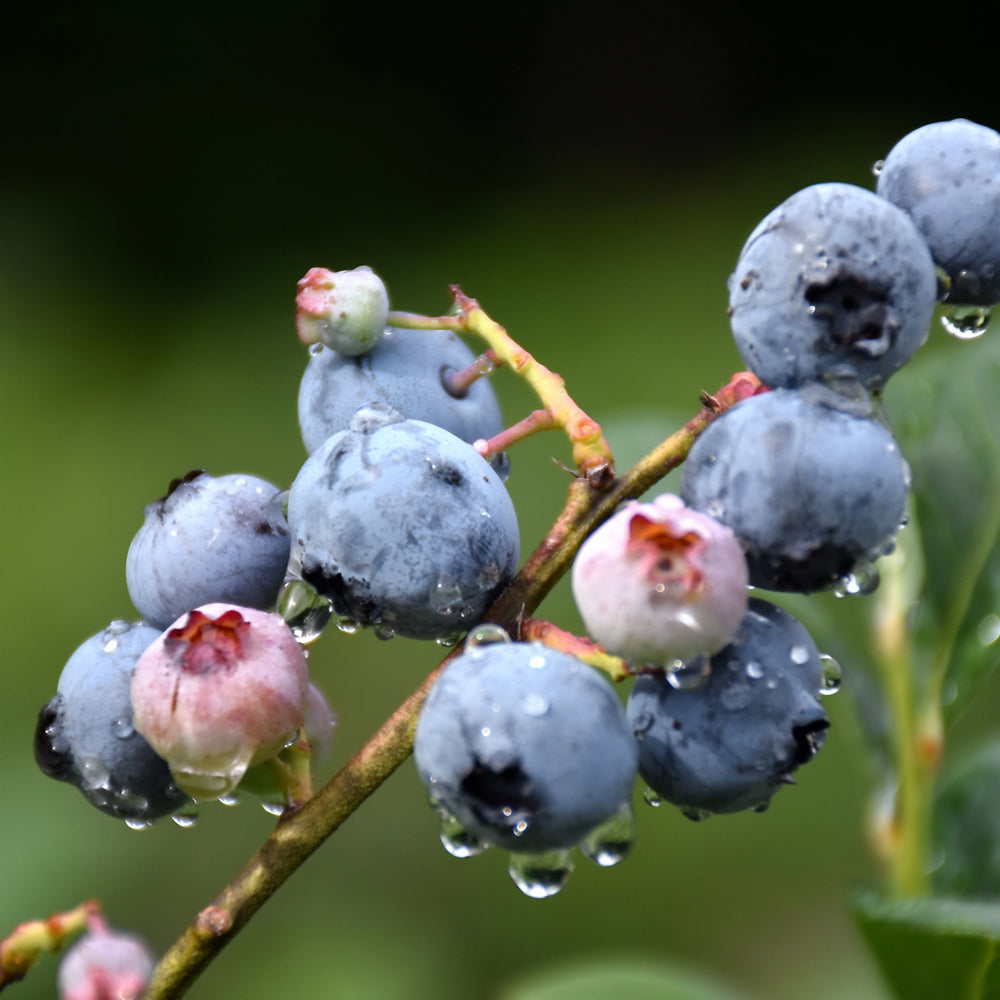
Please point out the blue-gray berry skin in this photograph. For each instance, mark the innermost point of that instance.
(835, 280)
(403, 526)
(404, 370)
(810, 490)
(947, 177)
(209, 540)
(85, 734)
(731, 743)
(527, 747)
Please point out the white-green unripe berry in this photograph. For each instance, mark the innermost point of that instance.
(346, 310)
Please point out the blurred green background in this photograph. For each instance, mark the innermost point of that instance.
(168, 177)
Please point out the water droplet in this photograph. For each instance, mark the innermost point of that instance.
(487, 634)
(754, 670)
(456, 839)
(966, 322)
(94, 773)
(134, 823)
(230, 799)
(695, 814)
(447, 641)
(688, 675)
(110, 645)
(122, 727)
(384, 632)
(988, 630)
(862, 580)
(612, 841)
(185, 820)
(798, 655)
(540, 875)
(371, 416)
(832, 674)
(651, 797)
(535, 705)
(273, 808)
(877, 167)
(537, 662)
(305, 611)
(346, 625)
(445, 594)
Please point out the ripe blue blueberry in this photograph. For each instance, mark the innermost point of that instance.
(210, 539)
(814, 492)
(731, 743)
(947, 177)
(527, 747)
(406, 370)
(85, 734)
(835, 281)
(403, 526)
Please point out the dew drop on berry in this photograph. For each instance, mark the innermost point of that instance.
(134, 823)
(305, 611)
(798, 655)
(695, 815)
(540, 875)
(688, 675)
(832, 674)
(612, 841)
(273, 808)
(230, 799)
(877, 167)
(754, 670)
(862, 580)
(965, 322)
(651, 797)
(445, 594)
(534, 704)
(447, 641)
(122, 727)
(456, 839)
(486, 635)
(384, 632)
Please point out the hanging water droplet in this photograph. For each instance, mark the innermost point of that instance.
(305, 611)
(695, 814)
(487, 634)
(832, 674)
(185, 820)
(688, 675)
(966, 322)
(94, 773)
(535, 705)
(230, 799)
(122, 727)
(862, 580)
(458, 840)
(540, 875)
(346, 625)
(612, 841)
(273, 808)
(447, 641)
(133, 823)
(877, 167)
(988, 630)
(651, 797)
(384, 632)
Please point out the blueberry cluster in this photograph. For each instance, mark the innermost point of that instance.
(395, 522)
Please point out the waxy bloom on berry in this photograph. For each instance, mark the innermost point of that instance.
(223, 688)
(659, 582)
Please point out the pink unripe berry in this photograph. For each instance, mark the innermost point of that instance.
(659, 582)
(105, 965)
(345, 310)
(223, 688)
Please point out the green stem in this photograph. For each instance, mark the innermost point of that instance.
(300, 833)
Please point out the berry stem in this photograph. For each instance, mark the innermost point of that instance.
(591, 452)
(458, 382)
(298, 834)
(539, 630)
(22, 948)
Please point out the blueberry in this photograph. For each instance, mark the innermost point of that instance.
(406, 370)
(403, 526)
(525, 746)
(224, 688)
(208, 540)
(731, 743)
(659, 581)
(835, 280)
(86, 736)
(812, 491)
(346, 310)
(947, 177)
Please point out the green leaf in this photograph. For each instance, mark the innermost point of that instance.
(934, 949)
(946, 413)
(967, 827)
(634, 979)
